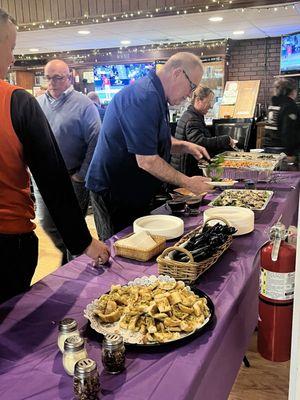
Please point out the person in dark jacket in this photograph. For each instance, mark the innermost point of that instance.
(191, 128)
(283, 125)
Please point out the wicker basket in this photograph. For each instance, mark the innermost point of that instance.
(191, 270)
(139, 254)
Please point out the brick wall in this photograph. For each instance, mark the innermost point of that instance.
(255, 59)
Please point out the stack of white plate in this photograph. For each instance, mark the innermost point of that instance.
(241, 218)
(163, 225)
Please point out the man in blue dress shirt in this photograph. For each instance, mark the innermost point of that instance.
(133, 151)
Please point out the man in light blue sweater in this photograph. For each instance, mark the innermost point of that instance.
(76, 125)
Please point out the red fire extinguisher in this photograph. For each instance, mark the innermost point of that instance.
(277, 279)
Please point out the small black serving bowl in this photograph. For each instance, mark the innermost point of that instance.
(193, 205)
(176, 206)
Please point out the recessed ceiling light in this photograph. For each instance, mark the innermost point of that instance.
(125, 41)
(84, 32)
(33, 50)
(215, 19)
(238, 32)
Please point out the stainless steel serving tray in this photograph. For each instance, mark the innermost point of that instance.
(235, 192)
(243, 155)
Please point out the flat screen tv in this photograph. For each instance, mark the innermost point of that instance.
(110, 79)
(290, 54)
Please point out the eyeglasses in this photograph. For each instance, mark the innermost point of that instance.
(55, 78)
(192, 85)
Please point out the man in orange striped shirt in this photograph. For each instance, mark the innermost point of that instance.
(26, 140)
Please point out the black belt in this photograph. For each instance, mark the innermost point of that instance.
(16, 235)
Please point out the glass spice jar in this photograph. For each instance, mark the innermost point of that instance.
(113, 353)
(86, 382)
(74, 350)
(67, 327)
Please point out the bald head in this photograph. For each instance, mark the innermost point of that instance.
(8, 34)
(58, 66)
(180, 75)
(57, 74)
(184, 60)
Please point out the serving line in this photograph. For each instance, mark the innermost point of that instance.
(205, 367)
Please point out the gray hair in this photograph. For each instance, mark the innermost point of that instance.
(284, 86)
(201, 93)
(94, 97)
(4, 17)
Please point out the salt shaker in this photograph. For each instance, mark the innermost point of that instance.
(67, 327)
(74, 350)
(86, 382)
(113, 353)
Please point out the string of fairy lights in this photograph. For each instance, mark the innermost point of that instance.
(122, 52)
(213, 5)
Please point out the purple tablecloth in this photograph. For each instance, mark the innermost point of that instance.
(31, 365)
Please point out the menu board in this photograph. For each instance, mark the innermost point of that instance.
(230, 94)
(239, 99)
(246, 99)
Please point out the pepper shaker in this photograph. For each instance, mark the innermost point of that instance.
(86, 382)
(113, 353)
(67, 327)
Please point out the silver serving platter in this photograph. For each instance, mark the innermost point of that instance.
(235, 192)
(243, 155)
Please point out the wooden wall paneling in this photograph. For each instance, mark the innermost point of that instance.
(126, 5)
(12, 8)
(47, 10)
(32, 11)
(134, 5)
(117, 6)
(93, 7)
(85, 7)
(62, 12)
(40, 10)
(69, 9)
(19, 11)
(143, 5)
(152, 4)
(25, 79)
(26, 14)
(54, 10)
(4, 5)
(100, 7)
(108, 4)
(77, 8)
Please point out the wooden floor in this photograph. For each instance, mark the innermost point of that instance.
(264, 380)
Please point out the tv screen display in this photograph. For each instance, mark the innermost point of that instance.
(110, 79)
(290, 53)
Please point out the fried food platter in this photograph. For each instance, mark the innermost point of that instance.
(151, 312)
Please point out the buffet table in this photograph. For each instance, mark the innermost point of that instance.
(31, 364)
